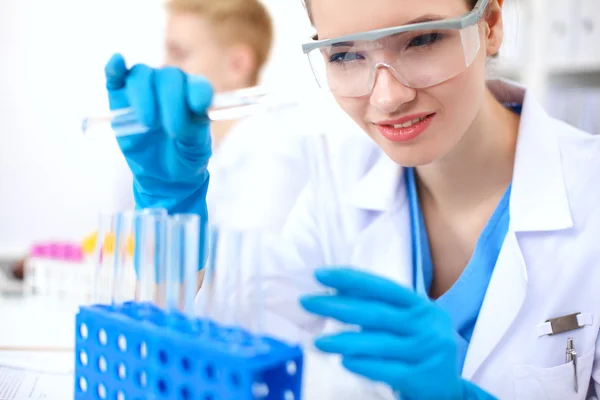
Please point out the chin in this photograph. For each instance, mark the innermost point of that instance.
(409, 159)
(412, 154)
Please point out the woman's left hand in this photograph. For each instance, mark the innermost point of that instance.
(404, 340)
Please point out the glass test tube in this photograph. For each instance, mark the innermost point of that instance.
(233, 283)
(183, 251)
(124, 287)
(104, 256)
(149, 254)
(218, 283)
(226, 106)
(205, 299)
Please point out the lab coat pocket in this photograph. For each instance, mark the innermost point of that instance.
(556, 383)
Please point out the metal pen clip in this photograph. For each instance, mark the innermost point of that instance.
(572, 356)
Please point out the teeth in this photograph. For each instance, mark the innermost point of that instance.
(409, 123)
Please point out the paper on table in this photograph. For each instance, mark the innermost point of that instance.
(43, 362)
(20, 384)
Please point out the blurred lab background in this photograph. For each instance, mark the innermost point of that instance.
(53, 181)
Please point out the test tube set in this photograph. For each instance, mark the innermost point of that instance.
(48, 267)
(66, 274)
(154, 343)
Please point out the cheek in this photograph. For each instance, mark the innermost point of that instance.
(355, 108)
(460, 98)
(207, 65)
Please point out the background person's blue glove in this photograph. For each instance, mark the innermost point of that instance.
(404, 340)
(169, 162)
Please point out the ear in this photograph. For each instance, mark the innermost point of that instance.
(241, 65)
(494, 27)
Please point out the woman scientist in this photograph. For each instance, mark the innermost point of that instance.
(471, 216)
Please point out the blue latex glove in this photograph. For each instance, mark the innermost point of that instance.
(404, 340)
(169, 162)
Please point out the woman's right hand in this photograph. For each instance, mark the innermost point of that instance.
(169, 162)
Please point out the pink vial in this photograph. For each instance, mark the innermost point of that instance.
(40, 250)
(73, 253)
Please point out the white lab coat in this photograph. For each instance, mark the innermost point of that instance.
(256, 174)
(549, 265)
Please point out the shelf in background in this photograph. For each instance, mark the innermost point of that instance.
(584, 74)
(582, 69)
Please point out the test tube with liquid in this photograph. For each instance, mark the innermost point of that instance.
(124, 286)
(149, 254)
(105, 257)
(183, 257)
(205, 300)
(226, 106)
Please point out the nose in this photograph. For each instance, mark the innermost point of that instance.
(389, 94)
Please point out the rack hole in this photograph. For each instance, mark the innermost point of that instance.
(122, 343)
(289, 395)
(162, 386)
(102, 364)
(83, 331)
(163, 357)
(83, 384)
(291, 368)
(186, 364)
(141, 379)
(211, 373)
(121, 371)
(235, 380)
(185, 393)
(101, 391)
(260, 390)
(143, 350)
(120, 395)
(102, 337)
(83, 358)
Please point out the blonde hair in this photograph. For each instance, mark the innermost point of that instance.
(238, 21)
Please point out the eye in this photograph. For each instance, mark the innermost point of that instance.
(425, 39)
(176, 53)
(339, 58)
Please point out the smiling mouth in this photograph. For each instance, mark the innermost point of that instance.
(410, 123)
(405, 131)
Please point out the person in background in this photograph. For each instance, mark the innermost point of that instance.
(229, 42)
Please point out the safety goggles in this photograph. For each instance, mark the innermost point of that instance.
(419, 55)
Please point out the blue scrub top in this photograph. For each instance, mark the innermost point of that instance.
(464, 299)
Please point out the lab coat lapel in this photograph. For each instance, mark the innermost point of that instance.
(503, 300)
(538, 203)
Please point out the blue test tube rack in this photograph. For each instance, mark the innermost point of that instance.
(137, 351)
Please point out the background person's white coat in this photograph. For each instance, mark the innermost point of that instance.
(256, 174)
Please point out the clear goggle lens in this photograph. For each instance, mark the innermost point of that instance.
(418, 59)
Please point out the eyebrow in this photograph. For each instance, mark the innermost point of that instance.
(426, 18)
(343, 44)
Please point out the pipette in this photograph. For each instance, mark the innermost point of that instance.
(225, 106)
